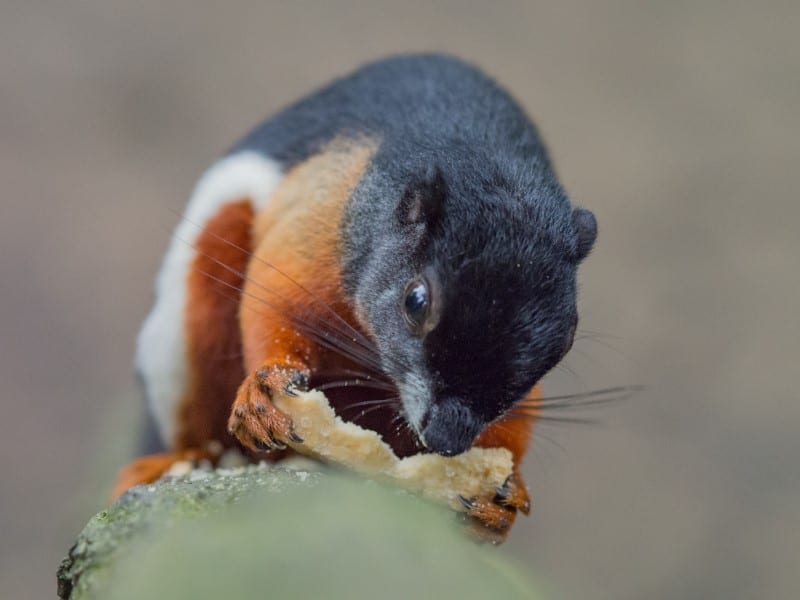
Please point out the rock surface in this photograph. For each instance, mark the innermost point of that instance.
(262, 531)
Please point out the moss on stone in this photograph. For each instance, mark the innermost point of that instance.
(269, 532)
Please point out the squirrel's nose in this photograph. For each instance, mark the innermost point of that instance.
(450, 427)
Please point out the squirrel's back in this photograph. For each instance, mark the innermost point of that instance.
(423, 101)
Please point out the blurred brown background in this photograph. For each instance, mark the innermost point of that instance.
(676, 122)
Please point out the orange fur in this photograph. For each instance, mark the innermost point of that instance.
(214, 342)
(148, 469)
(293, 276)
(302, 240)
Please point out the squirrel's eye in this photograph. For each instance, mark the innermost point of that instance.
(416, 303)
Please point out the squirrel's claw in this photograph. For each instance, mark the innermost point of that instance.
(513, 494)
(466, 503)
(491, 517)
(255, 421)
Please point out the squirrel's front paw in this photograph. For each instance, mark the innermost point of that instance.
(254, 420)
(491, 517)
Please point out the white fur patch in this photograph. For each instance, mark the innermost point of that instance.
(416, 397)
(161, 345)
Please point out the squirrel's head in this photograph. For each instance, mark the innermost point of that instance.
(466, 282)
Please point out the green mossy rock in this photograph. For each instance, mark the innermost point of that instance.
(272, 533)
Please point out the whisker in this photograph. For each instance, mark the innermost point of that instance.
(604, 340)
(364, 413)
(538, 436)
(591, 333)
(381, 402)
(236, 355)
(401, 422)
(244, 277)
(369, 375)
(566, 406)
(367, 355)
(355, 383)
(563, 366)
(333, 344)
(541, 409)
(555, 420)
(309, 329)
(359, 338)
(600, 341)
(602, 396)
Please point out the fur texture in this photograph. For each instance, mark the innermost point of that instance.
(460, 185)
(418, 206)
(459, 191)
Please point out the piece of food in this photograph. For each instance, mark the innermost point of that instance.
(475, 473)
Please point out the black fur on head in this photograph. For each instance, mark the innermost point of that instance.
(502, 250)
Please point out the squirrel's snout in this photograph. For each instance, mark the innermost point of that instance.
(450, 427)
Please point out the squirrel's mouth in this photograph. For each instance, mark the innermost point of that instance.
(371, 403)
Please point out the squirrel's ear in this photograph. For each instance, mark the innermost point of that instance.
(586, 227)
(423, 199)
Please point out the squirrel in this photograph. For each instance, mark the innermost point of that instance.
(397, 238)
